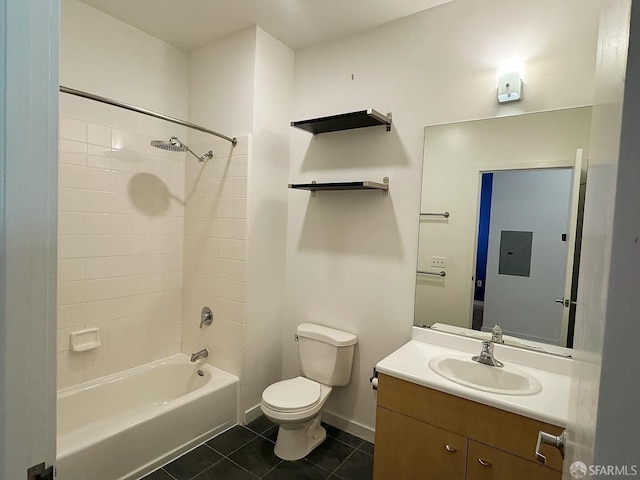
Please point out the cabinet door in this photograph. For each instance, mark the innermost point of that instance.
(409, 449)
(487, 463)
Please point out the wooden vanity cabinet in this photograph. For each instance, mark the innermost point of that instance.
(422, 433)
(488, 463)
(411, 449)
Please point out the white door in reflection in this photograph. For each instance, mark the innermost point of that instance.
(524, 232)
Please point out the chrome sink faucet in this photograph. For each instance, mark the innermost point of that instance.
(204, 353)
(486, 355)
(496, 334)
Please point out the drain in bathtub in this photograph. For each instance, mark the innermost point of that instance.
(201, 373)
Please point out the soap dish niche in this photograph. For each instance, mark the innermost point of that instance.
(83, 340)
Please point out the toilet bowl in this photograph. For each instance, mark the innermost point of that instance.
(295, 405)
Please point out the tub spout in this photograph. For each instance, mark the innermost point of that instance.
(204, 353)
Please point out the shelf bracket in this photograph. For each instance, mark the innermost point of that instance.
(386, 180)
(390, 117)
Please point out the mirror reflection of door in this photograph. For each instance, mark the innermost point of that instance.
(521, 258)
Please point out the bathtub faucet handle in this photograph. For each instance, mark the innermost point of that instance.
(206, 316)
(204, 353)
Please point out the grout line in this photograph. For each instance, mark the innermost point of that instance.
(360, 449)
(272, 469)
(162, 468)
(344, 461)
(209, 467)
(259, 435)
(265, 437)
(244, 444)
(248, 471)
(345, 443)
(233, 451)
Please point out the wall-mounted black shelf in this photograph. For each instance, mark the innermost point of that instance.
(363, 185)
(345, 121)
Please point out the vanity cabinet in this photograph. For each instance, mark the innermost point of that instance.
(488, 463)
(408, 446)
(422, 433)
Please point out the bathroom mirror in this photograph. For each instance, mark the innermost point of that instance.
(500, 226)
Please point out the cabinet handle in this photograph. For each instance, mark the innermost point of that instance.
(559, 442)
(450, 448)
(484, 463)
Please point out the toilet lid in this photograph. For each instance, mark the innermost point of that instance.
(292, 395)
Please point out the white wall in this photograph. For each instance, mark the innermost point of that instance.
(120, 201)
(267, 215)
(536, 201)
(105, 56)
(236, 211)
(352, 255)
(221, 79)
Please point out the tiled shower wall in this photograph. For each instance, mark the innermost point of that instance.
(121, 221)
(215, 249)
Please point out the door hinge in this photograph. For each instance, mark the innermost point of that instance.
(40, 472)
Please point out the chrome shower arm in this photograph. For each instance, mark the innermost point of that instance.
(203, 158)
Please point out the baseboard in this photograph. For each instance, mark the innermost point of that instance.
(350, 426)
(251, 414)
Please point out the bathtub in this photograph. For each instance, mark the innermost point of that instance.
(125, 425)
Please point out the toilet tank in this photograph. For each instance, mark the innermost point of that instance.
(326, 354)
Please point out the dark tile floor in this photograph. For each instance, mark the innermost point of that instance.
(246, 453)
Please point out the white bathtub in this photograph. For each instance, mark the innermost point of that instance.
(127, 424)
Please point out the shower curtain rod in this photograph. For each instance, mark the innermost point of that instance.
(144, 111)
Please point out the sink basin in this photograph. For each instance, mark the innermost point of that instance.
(505, 380)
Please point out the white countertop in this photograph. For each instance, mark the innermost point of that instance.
(410, 363)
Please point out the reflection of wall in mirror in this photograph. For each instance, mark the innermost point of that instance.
(454, 157)
(535, 201)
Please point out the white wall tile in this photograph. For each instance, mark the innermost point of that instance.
(97, 224)
(98, 289)
(72, 246)
(98, 135)
(71, 223)
(99, 157)
(240, 187)
(98, 267)
(71, 292)
(120, 266)
(98, 201)
(71, 199)
(72, 176)
(70, 146)
(72, 315)
(72, 129)
(97, 179)
(79, 159)
(71, 269)
(98, 245)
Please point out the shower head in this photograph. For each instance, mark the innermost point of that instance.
(175, 145)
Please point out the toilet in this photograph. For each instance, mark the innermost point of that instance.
(295, 405)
